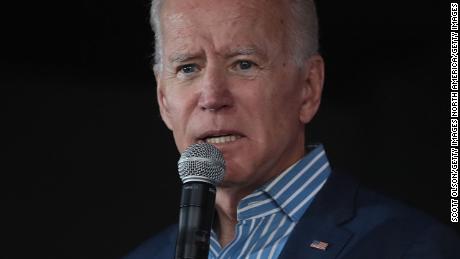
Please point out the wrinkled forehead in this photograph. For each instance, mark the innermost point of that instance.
(189, 13)
(233, 19)
(261, 8)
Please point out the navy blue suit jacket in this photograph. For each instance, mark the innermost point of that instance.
(355, 222)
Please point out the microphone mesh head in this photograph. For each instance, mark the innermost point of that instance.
(202, 162)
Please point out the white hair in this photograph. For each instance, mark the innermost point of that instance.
(303, 28)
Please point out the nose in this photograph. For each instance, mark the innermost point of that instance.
(215, 94)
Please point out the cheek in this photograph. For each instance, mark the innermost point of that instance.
(269, 102)
(180, 109)
(283, 107)
(179, 102)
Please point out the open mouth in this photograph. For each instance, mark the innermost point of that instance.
(221, 139)
(219, 136)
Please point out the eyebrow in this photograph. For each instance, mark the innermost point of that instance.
(181, 57)
(246, 51)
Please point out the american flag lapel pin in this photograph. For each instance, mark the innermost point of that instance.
(320, 245)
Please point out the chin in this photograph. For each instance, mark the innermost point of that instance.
(236, 180)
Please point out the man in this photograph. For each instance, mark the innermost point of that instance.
(245, 75)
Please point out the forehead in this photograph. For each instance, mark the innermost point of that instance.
(228, 6)
(222, 21)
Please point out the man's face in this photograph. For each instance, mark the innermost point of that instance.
(228, 78)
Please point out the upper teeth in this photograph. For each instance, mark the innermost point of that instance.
(221, 139)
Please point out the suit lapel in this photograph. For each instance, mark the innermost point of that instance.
(333, 206)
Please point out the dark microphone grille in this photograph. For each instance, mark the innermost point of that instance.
(202, 162)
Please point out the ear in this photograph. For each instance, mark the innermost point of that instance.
(162, 102)
(313, 79)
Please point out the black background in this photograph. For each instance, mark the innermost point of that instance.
(89, 170)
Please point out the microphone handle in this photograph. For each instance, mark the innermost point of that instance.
(195, 220)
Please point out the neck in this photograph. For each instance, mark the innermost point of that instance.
(227, 200)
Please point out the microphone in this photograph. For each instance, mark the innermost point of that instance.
(201, 167)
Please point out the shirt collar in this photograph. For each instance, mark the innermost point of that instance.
(292, 191)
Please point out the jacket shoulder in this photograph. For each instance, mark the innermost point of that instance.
(159, 246)
(371, 225)
(397, 230)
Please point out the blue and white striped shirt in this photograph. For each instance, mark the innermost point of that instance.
(267, 216)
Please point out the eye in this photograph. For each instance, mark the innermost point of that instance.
(245, 65)
(188, 68)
